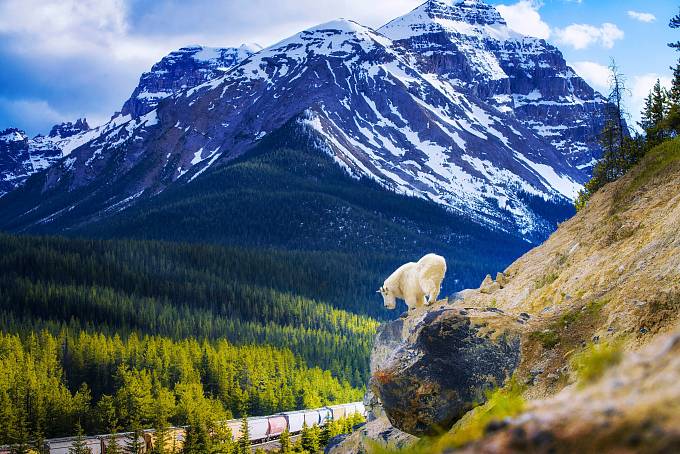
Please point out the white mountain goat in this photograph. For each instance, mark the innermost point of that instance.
(418, 284)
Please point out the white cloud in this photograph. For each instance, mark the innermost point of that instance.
(581, 36)
(640, 88)
(595, 74)
(642, 17)
(523, 17)
(36, 114)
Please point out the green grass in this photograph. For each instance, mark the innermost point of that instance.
(592, 362)
(546, 279)
(501, 403)
(660, 160)
(548, 338)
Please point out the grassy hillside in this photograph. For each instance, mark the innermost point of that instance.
(601, 345)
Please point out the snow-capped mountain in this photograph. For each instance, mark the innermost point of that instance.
(182, 69)
(428, 113)
(21, 157)
(469, 44)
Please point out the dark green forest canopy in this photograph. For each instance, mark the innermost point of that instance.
(206, 292)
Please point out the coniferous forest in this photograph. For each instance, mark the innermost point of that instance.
(118, 335)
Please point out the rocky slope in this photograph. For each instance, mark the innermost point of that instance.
(469, 45)
(376, 107)
(21, 157)
(596, 308)
(180, 70)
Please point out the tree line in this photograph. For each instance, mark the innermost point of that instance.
(660, 121)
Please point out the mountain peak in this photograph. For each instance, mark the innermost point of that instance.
(12, 135)
(466, 17)
(469, 11)
(69, 129)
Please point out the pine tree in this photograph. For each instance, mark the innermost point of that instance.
(112, 446)
(619, 151)
(675, 23)
(244, 439)
(672, 123)
(222, 439)
(309, 438)
(284, 441)
(79, 446)
(133, 443)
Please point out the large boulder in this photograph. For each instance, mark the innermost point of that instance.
(430, 368)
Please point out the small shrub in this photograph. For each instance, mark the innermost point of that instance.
(547, 279)
(548, 338)
(591, 363)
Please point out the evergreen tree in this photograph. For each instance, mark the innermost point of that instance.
(79, 446)
(244, 439)
(673, 116)
(620, 151)
(134, 439)
(655, 115)
(309, 438)
(222, 439)
(111, 444)
(675, 23)
(284, 441)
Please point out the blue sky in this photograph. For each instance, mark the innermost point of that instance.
(64, 59)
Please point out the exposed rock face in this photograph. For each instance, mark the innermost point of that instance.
(377, 431)
(634, 408)
(469, 44)
(180, 70)
(21, 157)
(444, 362)
(69, 129)
(15, 161)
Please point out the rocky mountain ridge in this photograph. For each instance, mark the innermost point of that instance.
(21, 156)
(377, 107)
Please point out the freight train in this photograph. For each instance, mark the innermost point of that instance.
(260, 430)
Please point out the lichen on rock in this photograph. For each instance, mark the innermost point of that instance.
(445, 361)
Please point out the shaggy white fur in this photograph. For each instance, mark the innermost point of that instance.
(418, 284)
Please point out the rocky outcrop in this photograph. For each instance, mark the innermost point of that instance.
(376, 432)
(596, 309)
(181, 70)
(429, 369)
(469, 44)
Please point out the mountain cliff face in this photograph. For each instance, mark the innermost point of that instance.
(470, 46)
(181, 70)
(21, 157)
(371, 101)
(596, 308)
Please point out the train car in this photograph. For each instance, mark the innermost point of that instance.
(339, 411)
(62, 445)
(122, 440)
(325, 415)
(258, 428)
(277, 425)
(174, 439)
(235, 426)
(312, 417)
(360, 408)
(296, 420)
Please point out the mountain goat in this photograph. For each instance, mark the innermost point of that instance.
(413, 282)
